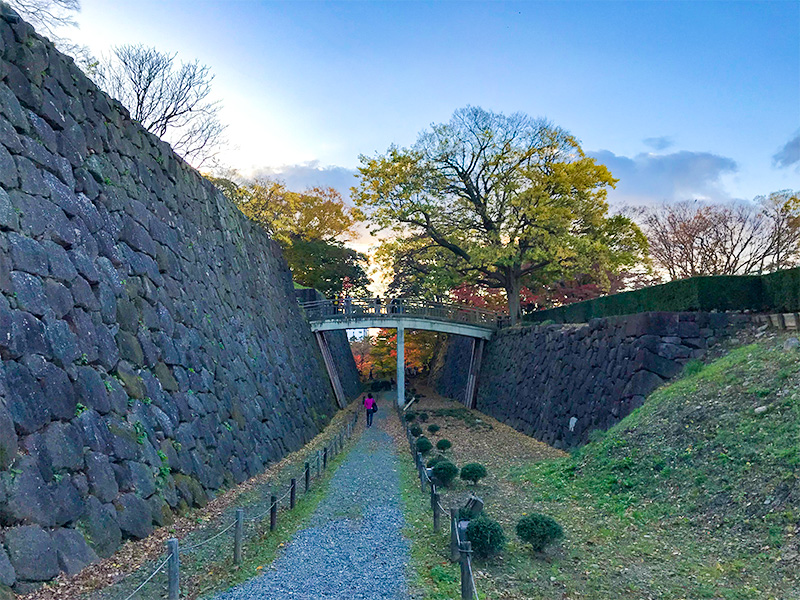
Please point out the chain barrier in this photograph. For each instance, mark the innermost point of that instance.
(338, 438)
(266, 512)
(146, 581)
(427, 479)
(204, 542)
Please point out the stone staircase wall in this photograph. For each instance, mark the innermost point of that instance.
(152, 349)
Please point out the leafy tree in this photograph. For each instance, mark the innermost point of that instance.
(415, 267)
(420, 347)
(361, 348)
(509, 199)
(586, 286)
(170, 101)
(309, 226)
(318, 213)
(327, 266)
(384, 353)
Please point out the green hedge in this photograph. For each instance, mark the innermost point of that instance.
(776, 292)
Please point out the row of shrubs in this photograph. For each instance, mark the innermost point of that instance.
(775, 292)
(486, 535)
(488, 538)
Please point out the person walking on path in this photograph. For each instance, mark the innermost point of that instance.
(371, 406)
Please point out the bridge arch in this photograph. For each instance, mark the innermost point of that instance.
(402, 314)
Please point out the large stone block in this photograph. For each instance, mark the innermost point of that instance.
(32, 553)
(26, 402)
(100, 528)
(8, 576)
(134, 516)
(27, 255)
(72, 550)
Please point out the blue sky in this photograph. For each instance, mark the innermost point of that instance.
(680, 99)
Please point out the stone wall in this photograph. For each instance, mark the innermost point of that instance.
(450, 366)
(558, 383)
(152, 350)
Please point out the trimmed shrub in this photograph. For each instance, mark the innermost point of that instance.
(472, 472)
(539, 530)
(423, 416)
(416, 430)
(410, 416)
(444, 445)
(436, 459)
(445, 472)
(424, 445)
(464, 514)
(433, 428)
(486, 535)
(718, 292)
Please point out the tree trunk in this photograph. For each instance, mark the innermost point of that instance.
(512, 291)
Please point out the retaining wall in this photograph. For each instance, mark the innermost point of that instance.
(152, 349)
(558, 383)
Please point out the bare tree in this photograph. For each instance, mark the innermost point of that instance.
(691, 238)
(169, 100)
(47, 15)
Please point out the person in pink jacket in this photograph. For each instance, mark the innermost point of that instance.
(371, 406)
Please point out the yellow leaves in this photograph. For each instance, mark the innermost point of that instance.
(318, 213)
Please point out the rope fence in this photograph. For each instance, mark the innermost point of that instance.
(175, 550)
(460, 549)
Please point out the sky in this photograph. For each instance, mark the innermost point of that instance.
(681, 100)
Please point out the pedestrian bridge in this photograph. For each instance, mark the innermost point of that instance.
(402, 314)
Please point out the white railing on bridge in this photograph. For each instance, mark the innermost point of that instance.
(354, 308)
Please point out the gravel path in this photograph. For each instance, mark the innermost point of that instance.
(354, 548)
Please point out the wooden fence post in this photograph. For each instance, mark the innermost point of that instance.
(292, 493)
(466, 571)
(173, 570)
(436, 525)
(420, 468)
(238, 532)
(273, 512)
(307, 476)
(454, 534)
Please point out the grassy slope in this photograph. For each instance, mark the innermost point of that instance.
(694, 495)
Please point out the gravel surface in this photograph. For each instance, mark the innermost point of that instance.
(354, 548)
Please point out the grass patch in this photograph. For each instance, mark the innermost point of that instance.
(471, 418)
(694, 495)
(431, 574)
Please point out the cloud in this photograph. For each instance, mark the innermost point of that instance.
(788, 155)
(654, 178)
(658, 143)
(305, 175)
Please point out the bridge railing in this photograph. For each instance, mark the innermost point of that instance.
(355, 308)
